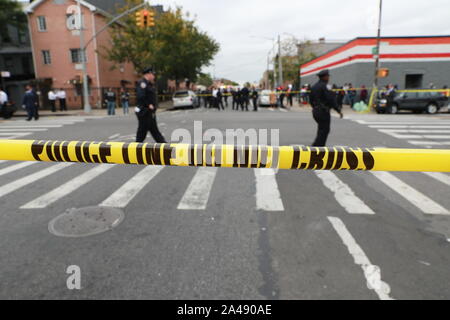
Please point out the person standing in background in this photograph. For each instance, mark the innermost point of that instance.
(52, 99)
(61, 95)
(30, 103)
(110, 99)
(255, 99)
(290, 96)
(3, 99)
(363, 94)
(125, 100)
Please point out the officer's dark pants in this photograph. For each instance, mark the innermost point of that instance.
(244, 104)
(255, 104)
(322, 117)
(147, 123)
(32, 113)
(53, 105)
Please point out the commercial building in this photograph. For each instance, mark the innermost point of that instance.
(56, 49)
(413, 62)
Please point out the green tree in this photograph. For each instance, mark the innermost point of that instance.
(175, 47)
(11, 13)
(205, 79)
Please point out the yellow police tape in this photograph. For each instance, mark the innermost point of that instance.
(228, 156)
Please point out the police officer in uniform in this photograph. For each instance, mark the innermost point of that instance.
(322, 100)
(146, 108)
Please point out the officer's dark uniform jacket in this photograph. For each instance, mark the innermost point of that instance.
(321, 97)
(146, 95)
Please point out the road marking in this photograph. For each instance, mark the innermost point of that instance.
(114, 136)
(31, 126)
(267, 194)
(418, 199)
(445, 179)
(67, 188)
(16, 134)
(15, 167)
(429, 143)
(197, 194)
(343, 194)
(15, 185)
(415, 131)
(372, 273)
(22, 130)
(122, 197)
(410, 127)
(379, 123)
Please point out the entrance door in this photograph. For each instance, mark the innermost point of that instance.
(413, 81)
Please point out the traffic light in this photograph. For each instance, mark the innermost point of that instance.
(145, 18)
(140, 19)
(383, 73)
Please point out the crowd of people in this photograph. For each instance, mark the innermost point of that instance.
(218, 98)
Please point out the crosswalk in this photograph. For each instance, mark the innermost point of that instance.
(423, 133)
(197, 194)
(20, 129)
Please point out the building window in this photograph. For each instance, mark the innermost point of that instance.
(76, 56)
(42, 24)
(9, 62)
(22, 36)
(46, 57)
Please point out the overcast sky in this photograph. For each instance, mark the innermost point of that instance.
(240, 26)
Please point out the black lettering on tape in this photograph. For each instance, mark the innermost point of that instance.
(330, 161)
(126, 158)
(368, 159)
(167, 154)
(264, 154)
(105, 151)
(352, 159)
(316, 160)
(218, 156)
(37, 147)
(303, 165)
(48, 150)
(340, 159)
(209, 154)
(57, 151)
(296, 158)
(86, 152)
(140, 154)
(254, 153)
(65, 151)
(78, 152)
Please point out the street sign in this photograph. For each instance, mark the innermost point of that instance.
(375, 51)
(6, 74)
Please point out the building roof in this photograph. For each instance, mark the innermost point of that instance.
(106, 7)
(407, 48)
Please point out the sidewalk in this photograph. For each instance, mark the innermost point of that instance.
(79, 112)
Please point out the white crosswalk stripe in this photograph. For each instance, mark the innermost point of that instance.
(197, 194)
(22, 182)
(426, 133)
(67, 188)
(445, 179)
(343, 194)
(15, 167)
(418, 199)
(122, 197)
(268, 196)
(22, 128)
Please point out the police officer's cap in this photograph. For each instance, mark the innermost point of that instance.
(148, 70)
(323, 73)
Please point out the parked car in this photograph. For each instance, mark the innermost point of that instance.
(185, 98)
(265, 98)
(7, 111)
(417, 102)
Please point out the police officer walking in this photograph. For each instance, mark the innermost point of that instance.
(146, 108)
(322, 100)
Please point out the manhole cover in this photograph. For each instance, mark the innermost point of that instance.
(85, 222)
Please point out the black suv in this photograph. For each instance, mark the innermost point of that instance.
(416, 102)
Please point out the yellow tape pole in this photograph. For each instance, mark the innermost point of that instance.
(290, 157)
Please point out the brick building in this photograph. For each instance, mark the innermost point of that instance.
(56, 49)
(414, 62)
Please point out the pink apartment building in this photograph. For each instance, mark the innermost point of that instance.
(56, 49)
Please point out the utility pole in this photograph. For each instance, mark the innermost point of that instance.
(377, 55)
(83, 56)
(280, 63)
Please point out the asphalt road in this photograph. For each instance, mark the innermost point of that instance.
(230, 233)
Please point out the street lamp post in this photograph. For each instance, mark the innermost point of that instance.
(377, 53)
(280, 63)
(83, 55)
